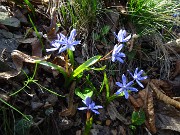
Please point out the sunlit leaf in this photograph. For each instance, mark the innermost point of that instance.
(87, 92)
(85, 65)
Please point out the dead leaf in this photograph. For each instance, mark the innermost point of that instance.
(52, 29)
(18, 58)
(27, 41)
(36, 48)
(150, 111)
(20, 16)
(163, 97)
(71, 110)
(113, 113)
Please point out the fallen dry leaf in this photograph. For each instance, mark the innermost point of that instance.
(36, 48)
(52, 29)
(18, 58)
(71, 110)
(149, 109)
(113, 113)
(163, 97)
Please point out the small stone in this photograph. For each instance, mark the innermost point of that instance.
(52, 99)
(36, 105)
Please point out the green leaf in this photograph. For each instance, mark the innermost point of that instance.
(87, 92)
(53, 66)
(138, 118)
(106, 82)
(85, 65)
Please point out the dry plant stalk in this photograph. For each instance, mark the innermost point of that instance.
(163, 97)
(147, 96)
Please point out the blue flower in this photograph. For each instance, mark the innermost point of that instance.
(121, 37)
(63, 43)
(124, 87)
(138, 76)
(116, 54)
(90, 105)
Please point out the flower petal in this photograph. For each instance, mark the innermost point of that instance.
(119, 84)
(82, 108)
(118, 49)
(76, 42)
(96, 112)
(142, 78)
(140, 73)
(129, 84)
(72, 35)
(140, 84)
(120, 60)
(130, 73)
(132, 89)
(62, 49)
(119, 91)
(98, 106)
(127, 38)
(126, 94)
(124, 80)
(71, 47)
(136, 70)
(52, 49)
(88, 101)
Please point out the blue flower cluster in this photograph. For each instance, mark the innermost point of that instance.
(63, 43)
(117, 55)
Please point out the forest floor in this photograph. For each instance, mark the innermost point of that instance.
(38, 92)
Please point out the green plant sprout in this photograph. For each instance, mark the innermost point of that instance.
(31, 80)
(90, 106)
(14, 109)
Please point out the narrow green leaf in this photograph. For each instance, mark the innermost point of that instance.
(15, 109)
(85, 65)
(36, 31)
(106, 82)
(71, 56)
(53, 66)
(30, 6)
